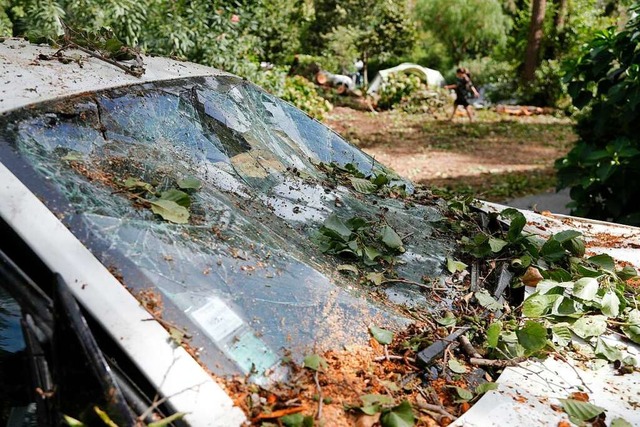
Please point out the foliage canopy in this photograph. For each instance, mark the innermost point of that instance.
(605, 83)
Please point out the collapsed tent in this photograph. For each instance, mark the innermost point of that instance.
(431, 77)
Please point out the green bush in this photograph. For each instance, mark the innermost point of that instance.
(603, 169)
(397, 88)
(547, 89)
(303, 94)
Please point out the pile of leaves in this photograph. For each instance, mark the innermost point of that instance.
(303, 94)
(434, 370)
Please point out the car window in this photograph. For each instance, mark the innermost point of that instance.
(244, 274)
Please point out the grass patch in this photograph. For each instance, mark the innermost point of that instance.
(496, 187)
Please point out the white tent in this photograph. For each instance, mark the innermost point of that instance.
(431, 77)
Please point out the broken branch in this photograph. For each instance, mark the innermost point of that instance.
(496, 363)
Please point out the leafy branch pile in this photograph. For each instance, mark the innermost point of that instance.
(381, 184)
(575, 297)
(368, 242)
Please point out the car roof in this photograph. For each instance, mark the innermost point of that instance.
(31, 73)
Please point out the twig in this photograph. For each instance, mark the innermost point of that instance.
(410, 282)
(394, 357)
(319, 414)
(277, 414)
(167, 324)
(435, 408)
(477, 361)
(468, 347)
(154, 405)
(386, 351)
(564, 359)
(124, 68)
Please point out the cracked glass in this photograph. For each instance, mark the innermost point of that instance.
(243, 275)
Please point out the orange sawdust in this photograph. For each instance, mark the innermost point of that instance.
(349, 374)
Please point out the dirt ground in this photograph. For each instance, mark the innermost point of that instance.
(481, 155)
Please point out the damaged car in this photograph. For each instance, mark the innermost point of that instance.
(183, 247)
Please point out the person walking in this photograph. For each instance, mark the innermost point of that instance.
(463, 87)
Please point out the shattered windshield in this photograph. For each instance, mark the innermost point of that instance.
(233, 215)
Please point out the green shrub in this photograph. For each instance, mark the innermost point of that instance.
(303, 94)
(547, 89)
(398, 87)
(603, 169)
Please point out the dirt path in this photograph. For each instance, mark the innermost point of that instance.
(443, 153)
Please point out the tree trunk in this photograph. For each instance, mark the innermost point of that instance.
(560, 16)
(534, 41)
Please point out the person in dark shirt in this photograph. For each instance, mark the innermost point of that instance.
(463, 88)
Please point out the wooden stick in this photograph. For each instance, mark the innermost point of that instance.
(496, 363)
(277, 414)
(468, 347)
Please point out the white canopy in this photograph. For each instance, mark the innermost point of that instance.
(431, 77)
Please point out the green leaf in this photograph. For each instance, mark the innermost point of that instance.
(132, 183)
(453, 265)
(487, 301)
(552, 251)
(604, 261)
(315, 362)
(565, 306)
(363, 185)
(456, 366)
(449, 319)
(348, 267)
(538, 305)
(381, 180)
(532, 336)
(485, 387)
(170, 211)
(607, 351)
(575, 246)
(398, 416)
(390, 238)
(104, 417)
(371, 253)
(579, 410)
(375, 278)
(620, 422)
(566, 235)
(518, 221)
(168, 420)
(627, 273)
(373, 403)
(383, 336)
(493, 334)
(590, 326)
(72, 422)
(73, 156)
(180, 197)
(610, 304)
(561, 334)
(497, 245)
(376, 399)
(189, 183)
(296, 420)
(336, 227)
(585, 288)
(632, 331)
(463, 394)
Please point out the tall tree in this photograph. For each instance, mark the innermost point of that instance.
(466, 27)
(534, 41)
